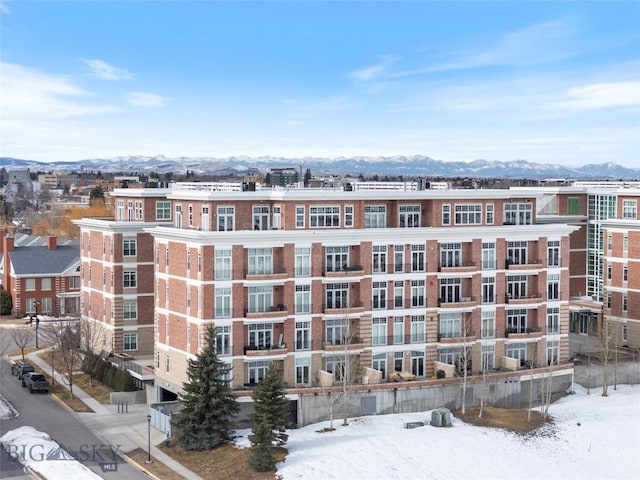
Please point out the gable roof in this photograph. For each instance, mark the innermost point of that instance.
(42, 261)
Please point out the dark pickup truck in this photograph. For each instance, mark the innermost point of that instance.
(36, 382)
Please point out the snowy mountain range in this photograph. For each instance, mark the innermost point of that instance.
(408, 166)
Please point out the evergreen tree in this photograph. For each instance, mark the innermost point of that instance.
(261, 458)
(208, 405)
(270, 402)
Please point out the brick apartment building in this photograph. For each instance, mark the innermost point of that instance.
(396, 280)
(42, 277)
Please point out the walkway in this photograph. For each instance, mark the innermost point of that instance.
(130, 430)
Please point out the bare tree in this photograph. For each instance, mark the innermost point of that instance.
(92, 335)
(22, 337)
(464, 359)
(604, 353)
(66, 339)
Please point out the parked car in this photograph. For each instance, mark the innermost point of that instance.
(36, 382)
(20, 367)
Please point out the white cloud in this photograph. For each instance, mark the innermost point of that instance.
(602, 95)
(374, 71)
(107, 71)
(145, 100)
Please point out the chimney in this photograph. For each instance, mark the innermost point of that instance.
(8, 244)
(51, 243)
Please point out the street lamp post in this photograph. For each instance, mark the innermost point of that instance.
(37, 324)
(53, 372)
(149, 438)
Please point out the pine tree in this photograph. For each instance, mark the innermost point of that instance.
(208, 405)
(270, 402)
(269, 419)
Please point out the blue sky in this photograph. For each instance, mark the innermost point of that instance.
(550, 82)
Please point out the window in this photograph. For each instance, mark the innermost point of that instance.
(260, 261)
(199, 262)
(609, 271)
(178, 218)
(336, 331)
(303, 335)
(625, 274)
(226, 219)
(609, 301)
(45, 284)
(129, 310)
(553, 286)
(489, 214)
(409, 216)
(553, 253)
(120, 210)
(446, 214)
(418, 333)
(166, 362)
(488, 289)
(468, 214)
(625, 303)
(398, 361)
(487, 357)
(450, 289)
(277, 217)
(337, 367)
(204, 223)
(450, 254)
(450, 325)
(46, 306)
(379, 331)
(630, 209)
(129, 210)
(166, 256)
(303, 298)
(139, 215)
(488, 324)
(379, 362)
(573, 206)
(417, 258)
(625, 244)
(337, 258)
(260, 335)
(398, 330)
(553, 320)
(553, 352)
(417, 363)
(130, 341)
(303, 261)
(130, 279)
(337, 295)
(303, 369)
(517, 320)
(418, 293)
(256, 371)
(398, 294)
(375, 216)
(31, 305)
(448, 355)
(398, 258)
(30, 284)
(379, 295)
(348, 215)
(74, 283)
(517, 253)
(625, 333)
(299, 216)
(518, 214)
(517, 351)
(488, 256)
(188, 298)
(222, 265)
(223, 340)
(324, 216)
(260, 218)
(129, 247)
(260, 298)
(379, 262)
(223, 302)
(609, 242)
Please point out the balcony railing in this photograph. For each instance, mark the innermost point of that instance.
(458, 267)
(523, 332)
(265, 274)
(349, 343)
(273, 311)
(254, 350)
(456, 302)
(520, 299)
(351, 307)
(457, 337)
(344, 271)
(529, 263)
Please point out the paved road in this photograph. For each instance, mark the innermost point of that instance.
(43, 413)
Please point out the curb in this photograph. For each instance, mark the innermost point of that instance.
(140, 467)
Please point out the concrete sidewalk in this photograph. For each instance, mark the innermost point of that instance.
(128, 430)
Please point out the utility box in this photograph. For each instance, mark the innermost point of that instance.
(441, 417)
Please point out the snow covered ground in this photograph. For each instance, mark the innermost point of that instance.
(36, 450)
(6, 409)
(593, 437)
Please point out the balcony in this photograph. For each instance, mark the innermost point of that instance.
(523, 299)
(274, 311)
(345, 271)
(333, 308)
(351, 343)
(530, 265)
(273, 274)
(522, 333)
(457, 303)
(459, 268)
(266, 350)
(458, 337)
